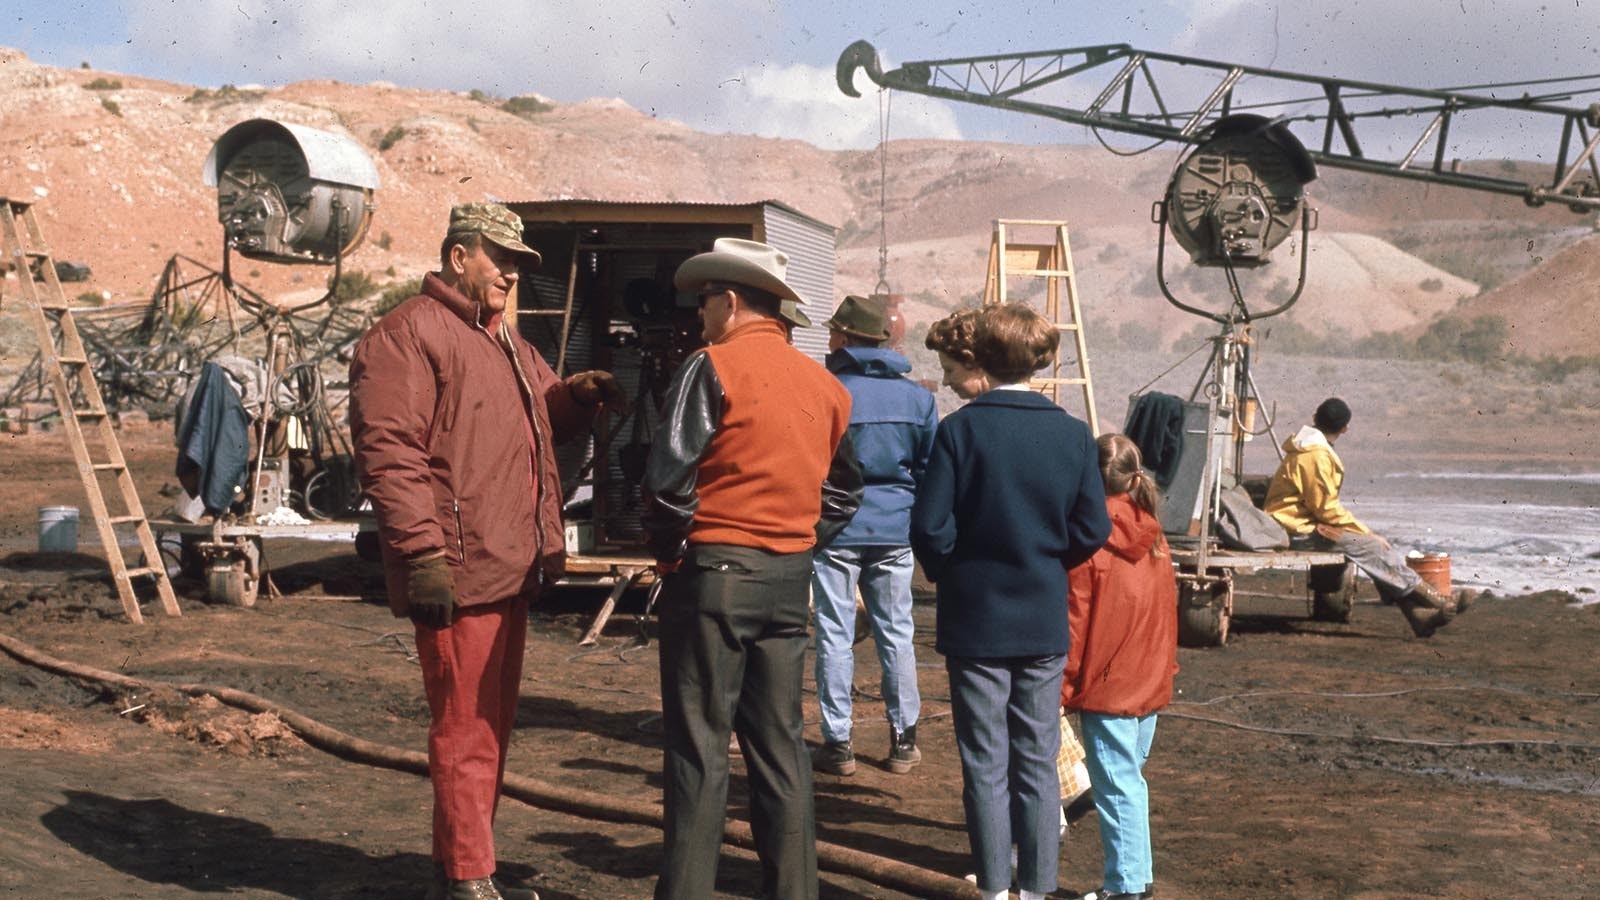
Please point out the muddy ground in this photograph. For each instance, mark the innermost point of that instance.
(1303, 759)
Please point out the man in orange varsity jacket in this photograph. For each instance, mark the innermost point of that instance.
(749, 472)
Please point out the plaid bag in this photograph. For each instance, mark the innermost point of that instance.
(1069, 764)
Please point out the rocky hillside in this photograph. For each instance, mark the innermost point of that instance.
(114, 162)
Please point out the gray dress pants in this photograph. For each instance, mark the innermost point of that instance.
(733, 637)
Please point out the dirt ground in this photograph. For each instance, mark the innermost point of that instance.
(1303, 759)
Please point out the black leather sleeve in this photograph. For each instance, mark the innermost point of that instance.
(690, 415)
(841, 492)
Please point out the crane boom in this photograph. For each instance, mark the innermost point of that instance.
(1131, 101)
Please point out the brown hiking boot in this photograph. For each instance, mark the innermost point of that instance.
(834, 758)
(1427, 610)
(903, 752)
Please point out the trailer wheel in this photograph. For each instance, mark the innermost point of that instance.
(1204, 613)
(229, 582)
(233, 575)
(1333, 592)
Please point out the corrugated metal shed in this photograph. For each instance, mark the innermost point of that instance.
(813, 259)
(610, 265)
(679, 230)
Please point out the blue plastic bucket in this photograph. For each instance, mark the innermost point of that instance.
(58, 529)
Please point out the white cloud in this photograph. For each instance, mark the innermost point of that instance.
(567, 50)
(800, 101)
(699, 63)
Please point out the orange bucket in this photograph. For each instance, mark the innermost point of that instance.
(1434, 567)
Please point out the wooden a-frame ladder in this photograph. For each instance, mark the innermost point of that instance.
(65, 365)
(1051, 261)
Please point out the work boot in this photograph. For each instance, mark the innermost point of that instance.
(515, 893)
(903, 752)
(834, 758)
(474, 889)
(1428, 610)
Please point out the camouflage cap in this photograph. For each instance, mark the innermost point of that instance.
(494, 222)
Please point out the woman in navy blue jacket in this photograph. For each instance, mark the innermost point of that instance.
(1012, 499)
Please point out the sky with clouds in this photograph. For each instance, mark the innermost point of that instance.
(767, 66)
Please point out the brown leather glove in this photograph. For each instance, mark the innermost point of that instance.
(553, 566)
(595, 387)
(431, 592)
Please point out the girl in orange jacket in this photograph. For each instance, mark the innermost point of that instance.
(1123, 617)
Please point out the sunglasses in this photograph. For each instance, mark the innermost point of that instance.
(706, 294)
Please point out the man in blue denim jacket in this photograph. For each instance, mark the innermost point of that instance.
(892, 423)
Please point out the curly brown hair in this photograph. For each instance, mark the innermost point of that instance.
(953, 335)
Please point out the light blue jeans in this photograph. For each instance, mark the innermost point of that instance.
(884, 576)
(1116, 748)
(1006, 713)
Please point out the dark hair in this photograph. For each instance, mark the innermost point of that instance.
(471, 240)
(952, 335)
(1331, 416)
(1012, 342)
(1122, 469)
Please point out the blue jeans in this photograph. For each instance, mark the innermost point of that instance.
(1116, 748)
(884, 576)
(1006, 713)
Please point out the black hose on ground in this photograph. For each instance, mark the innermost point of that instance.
(532, 791)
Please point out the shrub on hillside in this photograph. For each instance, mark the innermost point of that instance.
(225, 94)
(391, 137)
(1481, 339)
(394, 294)
(111, 106)
(1385, 345)
(526, 107)
(1470, 265)
(1555, 370)
(1135, 335)
(103, 84)
(353, 284)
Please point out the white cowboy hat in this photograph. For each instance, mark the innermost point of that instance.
(750, 263)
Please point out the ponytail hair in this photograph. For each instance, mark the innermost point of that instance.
(1122, 469)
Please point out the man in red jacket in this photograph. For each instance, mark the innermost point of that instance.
(750, 470)
(450, 411)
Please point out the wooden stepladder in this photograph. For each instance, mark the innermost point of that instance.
(1050, 260)
(65, 364)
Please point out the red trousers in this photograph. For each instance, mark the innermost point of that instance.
(471, 672)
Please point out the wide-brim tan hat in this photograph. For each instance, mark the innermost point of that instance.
(750, 263)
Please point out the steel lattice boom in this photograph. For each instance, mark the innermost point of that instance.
(1131, 100)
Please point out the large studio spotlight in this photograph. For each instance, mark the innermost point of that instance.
(291, 194)
(1233, 199)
